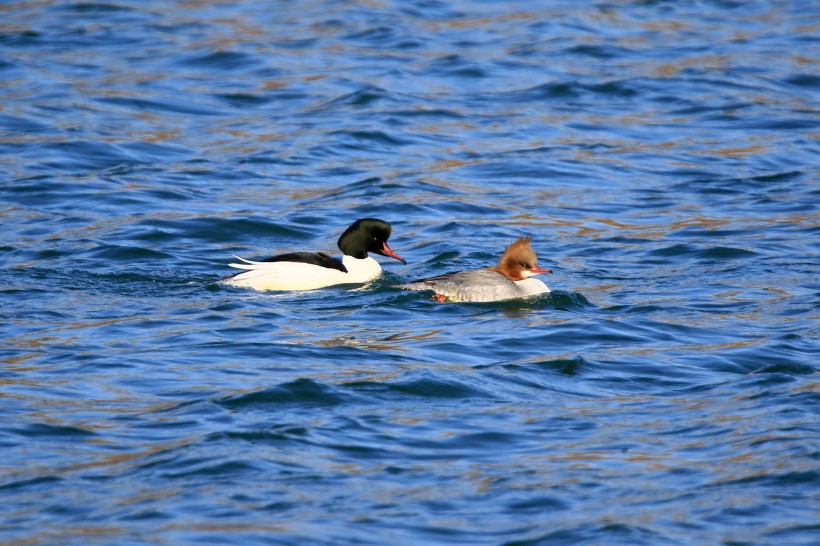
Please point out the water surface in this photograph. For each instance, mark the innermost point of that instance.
(663, 155)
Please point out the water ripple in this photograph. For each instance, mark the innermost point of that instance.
(662, 155)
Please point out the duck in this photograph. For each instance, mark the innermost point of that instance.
(296, 271)
(511, 278)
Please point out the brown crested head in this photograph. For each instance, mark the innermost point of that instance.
(519, 260)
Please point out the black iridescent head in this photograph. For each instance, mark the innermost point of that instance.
(367, 235)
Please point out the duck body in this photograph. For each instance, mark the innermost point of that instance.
(313, 270)
(304, 274)
(480, 285)
(511, 278)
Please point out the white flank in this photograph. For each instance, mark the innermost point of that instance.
(300, 275)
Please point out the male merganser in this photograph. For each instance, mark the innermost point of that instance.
(510, 279)
(310, 270)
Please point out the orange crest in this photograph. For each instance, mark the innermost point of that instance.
(522, 244)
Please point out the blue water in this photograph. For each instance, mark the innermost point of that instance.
(663, 155)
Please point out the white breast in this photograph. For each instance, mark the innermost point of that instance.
(532, 287)
(361, 271)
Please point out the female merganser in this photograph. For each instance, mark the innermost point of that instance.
(510, 279)
(310, 270)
